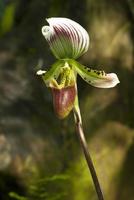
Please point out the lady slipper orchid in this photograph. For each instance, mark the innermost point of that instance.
(68, 40)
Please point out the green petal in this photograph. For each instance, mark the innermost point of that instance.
(53, 73)
(59, 76)
(94, 77)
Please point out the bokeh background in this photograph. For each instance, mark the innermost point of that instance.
(40, 155)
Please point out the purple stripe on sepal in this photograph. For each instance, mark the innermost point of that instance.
(67, 39)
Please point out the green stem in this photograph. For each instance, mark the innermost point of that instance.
(79, 129)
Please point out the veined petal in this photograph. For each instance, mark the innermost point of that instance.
(94, 77)
(67, 38)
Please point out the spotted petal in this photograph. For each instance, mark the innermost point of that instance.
(67, 39)
(94, 77)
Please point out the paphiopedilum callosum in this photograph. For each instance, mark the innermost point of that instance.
(68, 40)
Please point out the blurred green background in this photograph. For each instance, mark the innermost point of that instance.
(40, 156)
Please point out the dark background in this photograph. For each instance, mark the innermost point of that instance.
(40, 156)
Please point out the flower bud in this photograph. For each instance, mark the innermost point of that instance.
(67, 39)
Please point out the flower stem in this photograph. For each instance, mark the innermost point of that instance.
(79, 129)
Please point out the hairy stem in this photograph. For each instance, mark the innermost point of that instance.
(83, 143)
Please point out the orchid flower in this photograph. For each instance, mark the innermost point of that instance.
(68, 41)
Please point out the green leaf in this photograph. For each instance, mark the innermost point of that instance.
(7, 20)
(16, 196)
